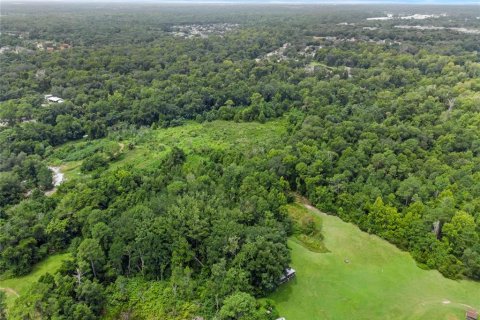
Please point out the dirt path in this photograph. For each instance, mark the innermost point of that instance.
(58, 176)
(57, 179)
(10, 291)
(304, 201)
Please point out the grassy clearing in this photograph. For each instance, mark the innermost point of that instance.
(194, 137)
(17, 286)
(379, 282)
(222, 135)
(152, 145)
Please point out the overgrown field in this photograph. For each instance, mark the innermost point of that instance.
(146, 148)
(365, 277)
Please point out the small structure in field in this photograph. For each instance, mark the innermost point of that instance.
(471, 315)
(288, 275)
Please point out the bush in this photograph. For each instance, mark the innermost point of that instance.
(94, 162)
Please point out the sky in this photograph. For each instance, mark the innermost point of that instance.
(339, 1)
(438, 2)
(425, 2)
(332, 1)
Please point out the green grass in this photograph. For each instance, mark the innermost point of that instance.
(379, 282)
(222, 135)
(19, 285)
(151, 146)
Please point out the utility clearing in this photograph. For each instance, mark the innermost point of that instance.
(365, 277)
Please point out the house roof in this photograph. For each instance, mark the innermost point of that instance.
(289, 271)
(55, 99)
(472, 314)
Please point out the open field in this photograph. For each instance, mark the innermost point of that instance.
(15, 287)
(150, 146)
(378, 282)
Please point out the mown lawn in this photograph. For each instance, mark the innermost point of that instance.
(17, 286)
(378, 282)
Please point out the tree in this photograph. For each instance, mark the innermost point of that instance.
(408, 188)
(10, 188)
(92, 294)
(102, 233)
(44, 178)
(443, 211)
(265, 261)
(460, 233)
(94, 162)
(90, 256)
(224, 282)
(383, 220)
(83, 312)
(3, 305)
(239, 306)
(471, 259)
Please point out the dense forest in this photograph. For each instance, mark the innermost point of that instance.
(382, 128)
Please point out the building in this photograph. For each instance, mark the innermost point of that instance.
(5, 49)
(52, 99)
(64, 46)
(288, 275)
(471, 315)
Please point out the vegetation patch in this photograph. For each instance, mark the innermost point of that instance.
(145, 148)
(307, 228)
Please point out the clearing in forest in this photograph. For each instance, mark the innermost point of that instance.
(15, 287)
(365, 277)
(149, 147)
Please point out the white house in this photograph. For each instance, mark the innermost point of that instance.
(51, 98)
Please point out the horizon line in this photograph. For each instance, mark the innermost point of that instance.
(262, 2)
